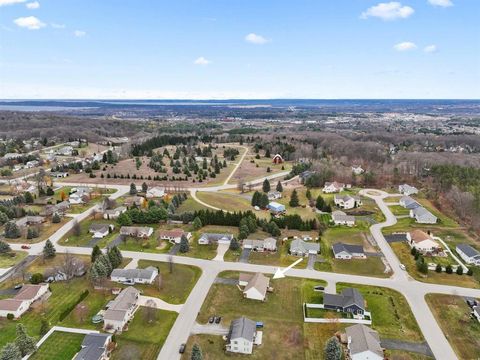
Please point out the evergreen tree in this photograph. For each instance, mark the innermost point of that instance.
(256, 199)
(438, 268)
(279, 187)
(133, 189)
(105, 261)
(234, 245)
(263, 201)
(184, 246)
(252, 224)
(308, 194)
(144, 187)
(50, 191)
(115, 257)
(4, 247)
(196, 353)
(320, 203)
(333, 349)
(28, 198)
(448, 269)
(273, 229)
(294, 199)
(243, 232)
(197, 223)
(10, 352)
(459, 270)
(56, 218)
(25, 343)
(124, 219)
(266, 186)
(49, 250)
(11, 230)
(96, 252)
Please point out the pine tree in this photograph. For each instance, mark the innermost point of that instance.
(243, 232)
(144, 187)
(105, 261)
(49, 250)
(333, 350)
(50, 191)
(96, 252)
(274, 230)
(11, 230)
(196, 353)
(124, 219)
(197, 223)
(308, 194)
(234, 245)
(10, 352)
(25, 343)
(56, 218)
(279, 187)
(4, 247)
(294, 199)
(256, 199)
(320, 203)
(184, 246)
(263, 201)
(133, 189)
(115, 256)
(28, 198)
(266, 186)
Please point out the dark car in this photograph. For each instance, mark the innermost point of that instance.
(218, 319)
(211, 319)
(182, 348)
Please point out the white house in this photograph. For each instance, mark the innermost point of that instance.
(255, 285)
(408, 203)
(347, 251)
(299, 247)
(346, 201)
(114, 213)
(75, 199)
(268, 244)
(242, 336)
(422, 241)
(209, 238)
(274, 195)
(121, 310)
(422, 215)
(470, 255)
(155, 192)
(174, 236)
(363, 343)
(333, 187)
(136, 231)
(408, 190)
(138, 276)
(21, 302)
(357, 170)
(340, 218)
(99, 231)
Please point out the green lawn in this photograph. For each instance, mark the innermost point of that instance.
(85, 237)
(225, 201)
(7, 261)
(398, 210)
(461, 330)
(59, 346)
(176, 286)
(279, 258)
(190, 205)
(144, 338)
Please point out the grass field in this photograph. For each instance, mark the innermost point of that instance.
(7, 261)
(280, 258)
(190, 205)
(144, 339)
(225, 201)
(85, 237)
(461, 330)
(59, 346)
(176, 286)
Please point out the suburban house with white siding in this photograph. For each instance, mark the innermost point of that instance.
(470, 255)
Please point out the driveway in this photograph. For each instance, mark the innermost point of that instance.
(174, 249)
(221, 250)
(244, 256)
(93, 242)
(117, 241)
(419, 348)
(312, 258)
(209, 329)
(158, 303)
(225, 281)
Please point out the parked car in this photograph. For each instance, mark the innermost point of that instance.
(259, 324)
(218, 319)
(182, 348)
(128, 282)
(402, 267)
(18, 286)
(211, 319)
(25, 246)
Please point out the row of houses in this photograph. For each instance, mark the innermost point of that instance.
(417, 211)
(22, 301)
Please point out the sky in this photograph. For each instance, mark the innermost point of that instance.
(221, 49)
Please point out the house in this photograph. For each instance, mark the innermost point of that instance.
(422, 241)
(470, 255)
(346, 201)
(21, 302)
(12, 156)
(301, 248)
(174, 235)
(255, 285)
(242, 335)
(408, 190)
(210, 238)
(134, 200)
(29, 220)
(59, 174)
(357, 170)
(276, 208)
(277, 159)
(274, 195)
(340, 218)
(347, 251)
(423, 216)
(408, 203)
(60, 209)
(363, 343)
(136, 231)
(94, 347)
(78, 198)
(99, 231)
(268, 244)
(32, 164)
(349, 300)
(155, 192)
(114, 213)
(65, 151)
(138, 276)
(121, 310)
(333, 187)
(476, 312)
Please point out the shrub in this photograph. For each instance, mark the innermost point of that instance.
(10, 316)
(449, 269)
(36, 278)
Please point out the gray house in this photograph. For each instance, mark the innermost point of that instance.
(408, 203)
(347, 251)
(349, 300)
(241, 336)
(94, 347)
(470, 255)
(299, 247)
(210, 238)
(363, 343)
(423, 216)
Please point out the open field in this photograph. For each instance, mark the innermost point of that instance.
(225, 201)
(461, 330)
(7, 261)
(190, 205)
(59, 346)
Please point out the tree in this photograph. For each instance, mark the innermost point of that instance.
(448, 269)
(308, 194)
(279, 187)
(263, 203)
(197, 223)
(124, 219)
(438, 268)
(320, 203)
(44, 327)
(76, 228)
(50, 191)
(28, 198)
(422, 265)
(25, 344)
(48, 250)
(234, 245)
(294, 199)
(144, 187)
(184, 246)
(115, 256)
(243, 232)
(11, 230)
(10, 352)
(36, 278)
(273, 229)
(4, 247)
(96, 252)
(196, 353)
(470, 272)
(266, 186)
(56, 218)
(133, 189)
(333, 349)
(459, 270)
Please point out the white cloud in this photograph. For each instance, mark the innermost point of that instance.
(32, 5)
(79, 33)
(430, 48)
(405, 46)
(202, 61)
(29, 22)
(256, 39)
(58, 26)
(388, 11)
(442, 3)
(11, 2)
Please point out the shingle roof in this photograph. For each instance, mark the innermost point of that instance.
(242, 328)
(468, 250)
(363, 339)
(347, 297)
(28, 292)
(299, 245)
(134, 273)
(10, 304)
(92, 347)
(260, 282)
(122, 303)
(339, 247)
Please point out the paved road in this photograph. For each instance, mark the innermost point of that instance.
(419, 348)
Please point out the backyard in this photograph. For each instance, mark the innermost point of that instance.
(59, 346)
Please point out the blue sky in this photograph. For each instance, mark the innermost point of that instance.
(205, 49)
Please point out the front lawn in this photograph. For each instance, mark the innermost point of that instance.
(59, 346)
(7, 261)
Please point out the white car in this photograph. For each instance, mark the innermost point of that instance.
(402, 267)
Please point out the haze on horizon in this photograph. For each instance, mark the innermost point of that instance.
(192, 49)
